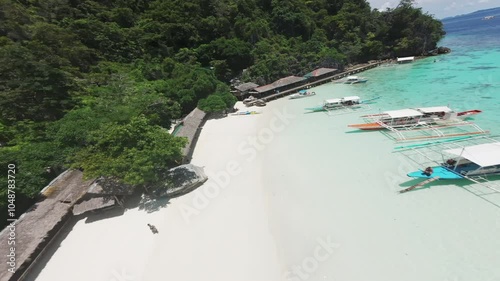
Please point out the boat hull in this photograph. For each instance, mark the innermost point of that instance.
(356, 82)
(367, 126)
(468, 113)
(298, 96)
(438, 171)
(316, 109)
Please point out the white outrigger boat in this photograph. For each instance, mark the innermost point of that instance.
(354, 80)
(245, 113)
(341, 103)
(469, 161)
(302, 94)
(411, 117)
(472, 162)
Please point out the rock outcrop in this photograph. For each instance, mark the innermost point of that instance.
(439, 51)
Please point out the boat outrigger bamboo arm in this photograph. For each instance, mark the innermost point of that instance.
(419, 184)
(482, 183)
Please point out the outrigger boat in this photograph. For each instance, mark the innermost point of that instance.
(245, 113)
(355, 80)
(411, 117)
(472, 162)
(339, 103)
(475, 160)
(302, 94)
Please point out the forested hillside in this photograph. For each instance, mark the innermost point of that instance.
(95, 84)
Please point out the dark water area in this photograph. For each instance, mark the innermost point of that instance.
(474, 23)
(473, 32)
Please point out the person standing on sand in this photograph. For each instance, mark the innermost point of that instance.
(153, 228)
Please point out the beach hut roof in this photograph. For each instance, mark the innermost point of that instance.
(246, 86)
(406, 59)
(38, 224)
(319, 72)
(484, 155)
(434, 109)
(93, 204)
(279, 83)
(404, 113)
(190, 125)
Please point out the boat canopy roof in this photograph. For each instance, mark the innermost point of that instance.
(352, 77)
(333, 101)
(406, 59)
(484, 155)
(344, 99)
(403, 113)
(434, 109)
(351, 98)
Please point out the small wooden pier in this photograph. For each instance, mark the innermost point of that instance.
(322, 81)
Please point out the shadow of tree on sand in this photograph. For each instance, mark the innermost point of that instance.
(152, 204)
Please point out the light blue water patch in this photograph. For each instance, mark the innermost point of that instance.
(455, 80)
(467, 78)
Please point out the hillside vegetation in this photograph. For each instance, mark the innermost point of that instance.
(95, 84)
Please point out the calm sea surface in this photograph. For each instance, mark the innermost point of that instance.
(467, 78)
(325, 180)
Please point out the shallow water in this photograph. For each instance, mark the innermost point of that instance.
(325, 180)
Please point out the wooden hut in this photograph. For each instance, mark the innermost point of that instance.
(321, 73)
(243, 90)
(40, 224)
(282, 84)
(190, 128)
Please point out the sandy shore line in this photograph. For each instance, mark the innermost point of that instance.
(294, 197)
(218, 232)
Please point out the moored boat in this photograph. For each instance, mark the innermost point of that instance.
(411, 117)
(468, 161)
(302, 94)
(245, 113)
(355, 80)
(337, 103)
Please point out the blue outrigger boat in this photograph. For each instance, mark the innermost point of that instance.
(468, 162)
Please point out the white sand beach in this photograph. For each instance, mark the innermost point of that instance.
(292, 196)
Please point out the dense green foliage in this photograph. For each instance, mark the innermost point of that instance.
(135, 152)
(217, 102)
(95, 84)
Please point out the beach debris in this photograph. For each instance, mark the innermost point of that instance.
(153, 228)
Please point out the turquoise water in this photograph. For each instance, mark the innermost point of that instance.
(467, 78)
(327, 180)
(461, 80)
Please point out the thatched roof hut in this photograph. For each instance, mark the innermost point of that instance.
(283, 83)
(35, 228)
(191, 126)
(93, 204)
(246, 86)
(321, 72)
